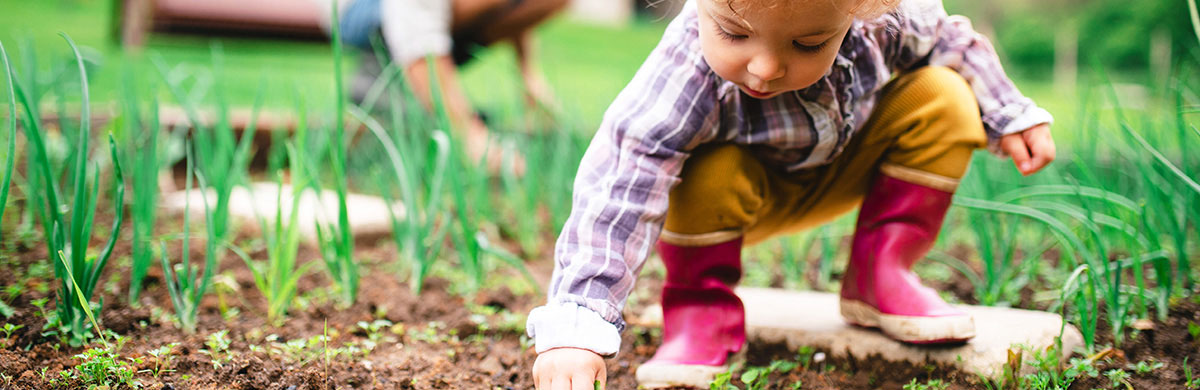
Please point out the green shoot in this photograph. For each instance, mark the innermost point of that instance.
(10, 156)
(142, 151)
(69, 233)
(337, 247)
(278, 277)
(185, 283)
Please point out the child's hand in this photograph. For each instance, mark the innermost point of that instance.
(569, 369)
(1031, 149)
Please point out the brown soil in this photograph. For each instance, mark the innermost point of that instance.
(438, 343)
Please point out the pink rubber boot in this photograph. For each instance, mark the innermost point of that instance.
(897, 225)
(704, 323)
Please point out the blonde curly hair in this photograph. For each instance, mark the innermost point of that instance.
(863, 9)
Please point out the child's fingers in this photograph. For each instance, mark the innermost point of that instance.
(561, 382)
(583, 382)
(1014, 145)
(1043, 149)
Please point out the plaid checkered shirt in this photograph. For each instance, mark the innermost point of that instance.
(675, 103)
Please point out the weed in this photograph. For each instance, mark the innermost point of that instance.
(1145, 367)
(723, 381)
(218, 348)
(162, 359)
(8, 329)
(374, 331)
(1190, 382)
(102, 367)
(804, 356)
(932, 384)
(1118, 378)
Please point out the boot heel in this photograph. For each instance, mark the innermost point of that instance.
(859, 313)
(666, 376)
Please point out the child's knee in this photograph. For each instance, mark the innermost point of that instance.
(720, 188)
(947, 104)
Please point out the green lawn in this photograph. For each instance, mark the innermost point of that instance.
(587, 65)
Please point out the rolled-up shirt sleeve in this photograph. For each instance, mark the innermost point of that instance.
(621, 191)
(920, 32)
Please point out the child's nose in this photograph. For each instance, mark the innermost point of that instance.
(765, 67)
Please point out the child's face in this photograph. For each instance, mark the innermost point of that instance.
(767, 52)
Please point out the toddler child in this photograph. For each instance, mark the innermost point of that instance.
(754, 118)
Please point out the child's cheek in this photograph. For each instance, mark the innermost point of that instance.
(720, 58)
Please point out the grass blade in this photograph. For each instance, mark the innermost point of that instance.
(12, 135)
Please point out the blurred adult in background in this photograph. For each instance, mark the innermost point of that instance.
(443, 35)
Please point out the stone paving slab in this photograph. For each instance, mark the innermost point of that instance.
(805, 318)
(368, 214)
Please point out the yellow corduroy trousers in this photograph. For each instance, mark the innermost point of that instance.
(924, 129)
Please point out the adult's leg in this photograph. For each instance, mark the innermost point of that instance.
(485, 22)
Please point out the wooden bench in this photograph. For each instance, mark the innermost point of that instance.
(290, 19)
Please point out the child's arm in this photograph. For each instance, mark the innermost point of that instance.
(620, 198)
(922, 33)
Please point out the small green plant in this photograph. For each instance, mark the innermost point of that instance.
(1189, 381)
(218, 348)
(336, 240)
(8, 329)
(804, 356)
(141, 150)
(162, 359)
(723, 381)
(102, 367)
(278, 277)
(1194, 331)
(10, 156)
(70, 233)
(1145, 367)
(186, 284)
(755, 378)
(932, 384)
(1118, 378)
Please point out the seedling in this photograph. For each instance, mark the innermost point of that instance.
(1190, 382)
(162, 359)
(69, 233)
(932, 384)
(10, 157)
(186, 284)
(8, 329)
(218, 348)
(102, 367)
(1118, 378)
(1145, 367)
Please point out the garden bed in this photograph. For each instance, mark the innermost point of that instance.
(437, 340)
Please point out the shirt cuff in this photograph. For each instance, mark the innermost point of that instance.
(570, 325)
(1031, 117)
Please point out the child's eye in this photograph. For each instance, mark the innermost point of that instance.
(809, 49)
(727, 35)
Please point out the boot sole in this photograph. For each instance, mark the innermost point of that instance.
(910, 329)
(664, 375)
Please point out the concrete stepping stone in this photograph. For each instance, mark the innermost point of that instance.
(368, 214)
(805, 318)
